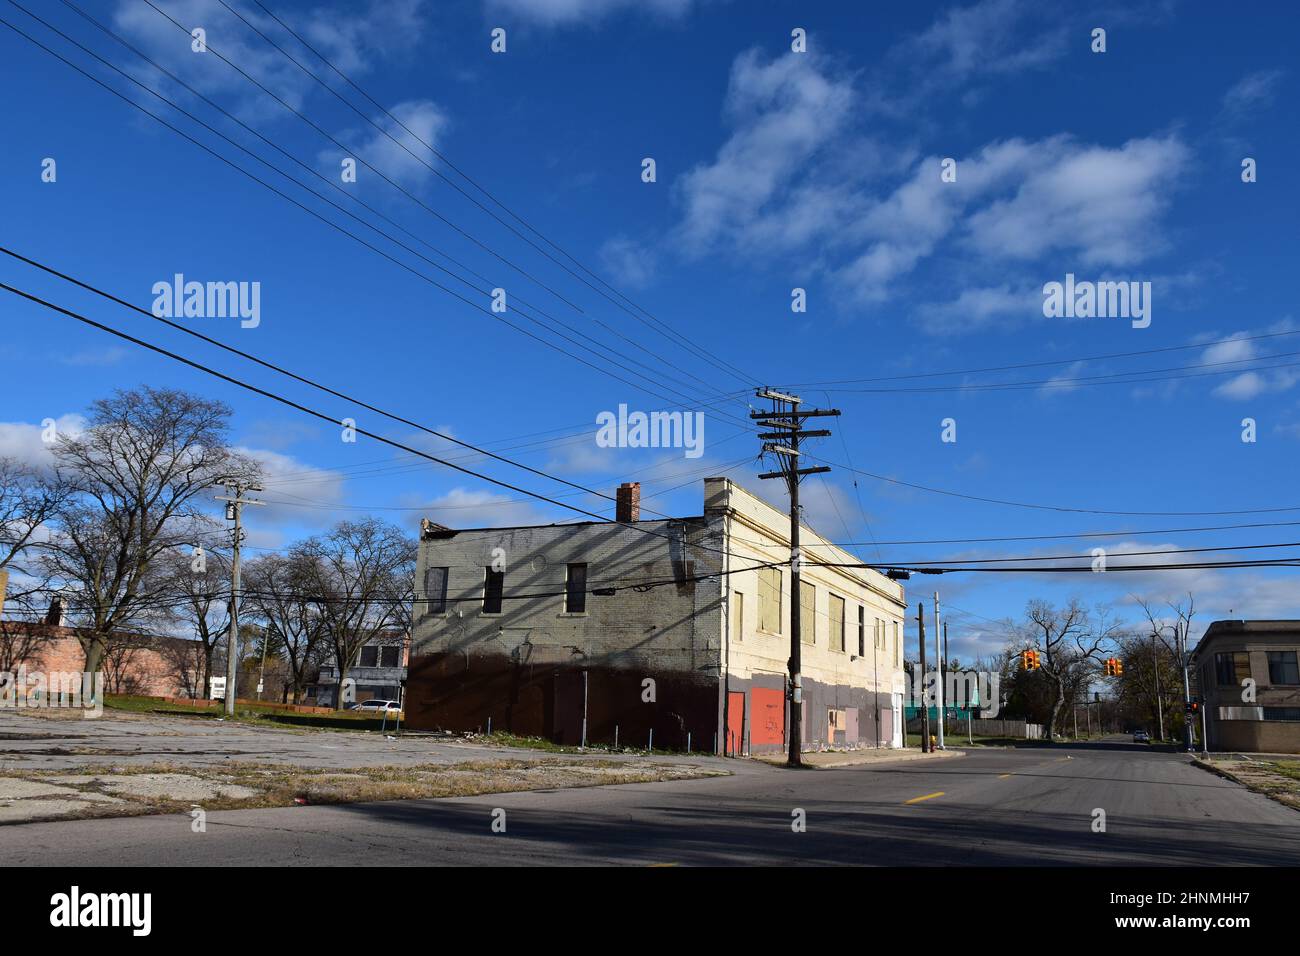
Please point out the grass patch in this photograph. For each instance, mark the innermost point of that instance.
(1278, 779)
(268, 713)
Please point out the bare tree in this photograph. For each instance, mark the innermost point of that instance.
(136, 483)
(200, 583)
(27, 500)
(278, 591)
(362, 577)
(1072, 643)
(1175, 647)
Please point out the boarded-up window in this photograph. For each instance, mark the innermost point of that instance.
(435, 590)
(898, 647)
(575, 589)
(494, 583)
(807, 613)
(769, 600)
(737, 616)
(837, 623)
(862, 631)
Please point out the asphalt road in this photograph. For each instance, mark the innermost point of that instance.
(1030, 805)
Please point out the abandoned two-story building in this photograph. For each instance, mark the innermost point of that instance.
(676, 628)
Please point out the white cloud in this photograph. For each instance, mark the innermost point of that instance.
(353, 40)
(1248, 384)
(1255, 91)
(23, 442)
(408, 163)
(779, 184)
(463, 508)
(984, 38)
(587, 12)
(1062, 382)
(783, 111)
(1021, 201)
(628, 263)
(980, 307)
(1099, 204)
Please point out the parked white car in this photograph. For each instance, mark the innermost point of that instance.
(390, 707)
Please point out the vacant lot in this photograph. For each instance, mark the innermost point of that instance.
(55, 766)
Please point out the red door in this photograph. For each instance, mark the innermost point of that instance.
(735, 723)
(767, 722)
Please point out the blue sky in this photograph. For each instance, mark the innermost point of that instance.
(775, 170)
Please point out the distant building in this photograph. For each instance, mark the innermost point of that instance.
(379, 673)
(1249, 675)
(145, 664)
(673, 625)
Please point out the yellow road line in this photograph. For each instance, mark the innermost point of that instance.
(1003, 776)
(928, 796)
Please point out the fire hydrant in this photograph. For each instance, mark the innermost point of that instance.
(934, 743)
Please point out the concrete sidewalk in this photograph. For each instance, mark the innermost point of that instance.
(825, 759)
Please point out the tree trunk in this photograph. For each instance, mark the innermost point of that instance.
(95, 646)
(1056, 711)
(207, 672)
(338, 697)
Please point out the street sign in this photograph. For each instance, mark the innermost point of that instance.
(216, 688)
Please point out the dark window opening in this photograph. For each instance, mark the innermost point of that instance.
(575, 589)
(369, 656)
(435, 590)
(493, 586)
(1282, 668)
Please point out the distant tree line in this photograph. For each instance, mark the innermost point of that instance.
(122, 530)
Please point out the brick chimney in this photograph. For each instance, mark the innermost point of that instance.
(628, 502)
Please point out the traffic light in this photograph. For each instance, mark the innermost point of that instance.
(1112, 667)
(1195, 707)
(1029, 660)
(1119, 667)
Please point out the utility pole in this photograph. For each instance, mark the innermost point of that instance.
(875, 679)
(1188, 726)
(943, 672)
(786, 424)
(1160, 708)
(925, 704)
(235, 502)
(938, 652)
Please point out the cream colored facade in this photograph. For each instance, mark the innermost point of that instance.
(852, 661)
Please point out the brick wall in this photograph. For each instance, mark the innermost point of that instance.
(137, 664)
(523, 667)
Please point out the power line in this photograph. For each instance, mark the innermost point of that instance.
(1041, 507)
(664, 329)
(1044, 364)
(1112, 378)
(1069, 557)
(522, 312)
(1058, 537)
(452, 225)
(322, 416)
